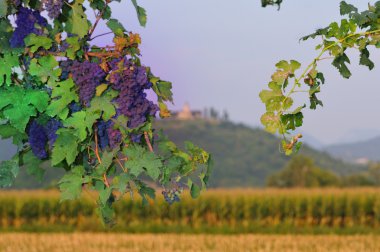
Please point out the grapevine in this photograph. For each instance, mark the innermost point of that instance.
(84, 108)
(358, 31)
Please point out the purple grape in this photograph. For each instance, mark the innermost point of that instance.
(103, 134)
(51, 128)
(28, 21)
(53, 7)
(38, 140)
(131, 82)
(87, 76)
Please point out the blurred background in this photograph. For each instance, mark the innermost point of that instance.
(219, 55)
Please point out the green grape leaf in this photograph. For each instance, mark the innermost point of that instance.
(8, 173)
(141, 160)
(65, 147)
(7, 62)
(77, 22)
(121, 182)
(141, 13)
(6, 30)
(3, 8)
(19, 105)
(82, 123)
(195, 190)
(71, 183)
(7, 131)
(292, 120)
(347, 8)
(104, 104)
(73, 48)
(35, 42)
(63, 94)
(340, 63)
(163, 89)
(364, 59)
(116, 27)
(46, 68)
(145, 193)
(107, 161)
(33, 165)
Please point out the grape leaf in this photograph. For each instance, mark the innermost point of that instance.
(65, 147)
(46, 68)
(121, 182)
(82, 123)
(116, 27)
(7, 62)
(3, 8)
(33, 165)
(8, 172)
(64, 93)
(104, 104)
(141, 13)
(19, 105)
(35, 42)
(77, 22)
(340, 63)
(7, 131)
(74, 46)
(5, 33)
(347, 8)
(364, 59)
(271, 122)
(71, 183)
(141, 160)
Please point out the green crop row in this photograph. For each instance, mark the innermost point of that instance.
(222, 211)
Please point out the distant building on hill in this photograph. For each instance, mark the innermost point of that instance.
(187, 114)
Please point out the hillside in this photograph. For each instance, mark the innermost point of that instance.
(244, 156)
(369, 149)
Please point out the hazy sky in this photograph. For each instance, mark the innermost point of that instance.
(222, 53)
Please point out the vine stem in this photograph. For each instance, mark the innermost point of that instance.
(148, 141)
(99, 159)
(98, 17)
(103, 34)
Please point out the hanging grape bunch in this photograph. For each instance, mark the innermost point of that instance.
(71, 104)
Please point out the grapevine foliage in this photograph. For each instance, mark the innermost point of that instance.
(357, 31)
(74, 105)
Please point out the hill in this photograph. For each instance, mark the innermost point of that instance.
(368, 149)
(244, 156)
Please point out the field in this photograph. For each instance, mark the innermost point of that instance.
(88, 242)
(270, 211)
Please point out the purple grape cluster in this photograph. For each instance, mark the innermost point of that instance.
(114, 136)
(40, 135)
(87, 76)
(53, 7)
(131, 81)
(103, 134)
(28, 21)
(38, 140)
(172, 195)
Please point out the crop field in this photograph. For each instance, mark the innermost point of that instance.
(88, 242)
(316, 211)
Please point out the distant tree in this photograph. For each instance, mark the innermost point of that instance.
(302, 172)
(226, 116)
(355, 180)
(214, 114)
(374, 173)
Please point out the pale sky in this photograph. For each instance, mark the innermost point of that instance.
(222, 53)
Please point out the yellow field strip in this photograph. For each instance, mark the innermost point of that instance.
(88, 242)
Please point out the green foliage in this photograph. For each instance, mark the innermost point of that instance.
(52, 115)
(358, 31)
(302, 172)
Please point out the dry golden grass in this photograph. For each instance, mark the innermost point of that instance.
(88, 242)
